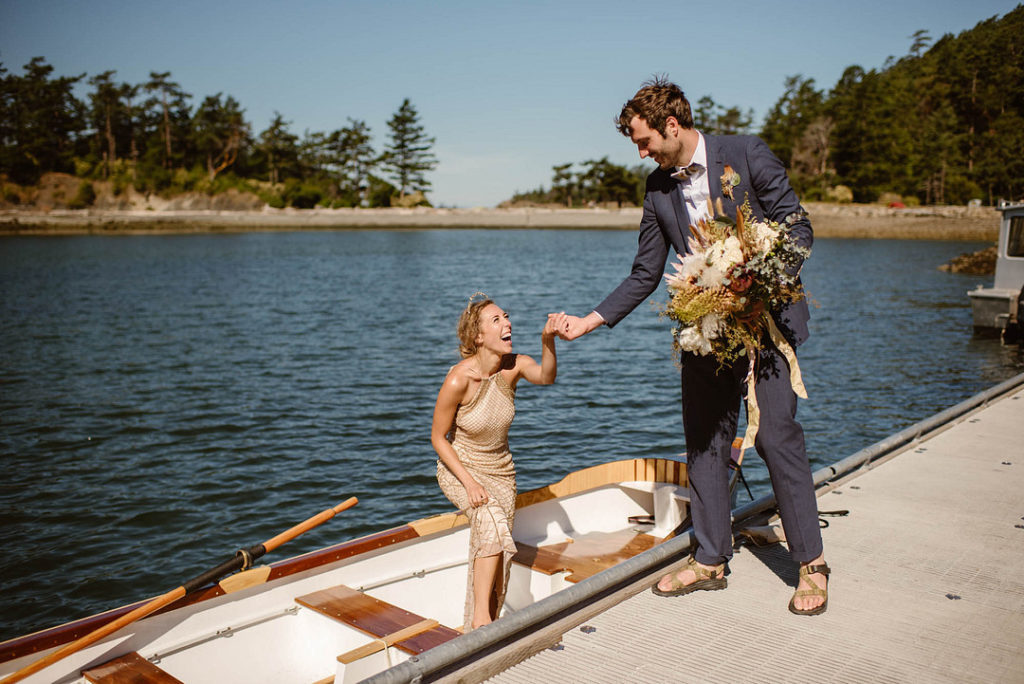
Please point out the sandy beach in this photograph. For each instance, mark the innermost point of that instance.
(829, 220)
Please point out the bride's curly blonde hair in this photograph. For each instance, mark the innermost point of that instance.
(469, 323)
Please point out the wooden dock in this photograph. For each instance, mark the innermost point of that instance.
(927, 584)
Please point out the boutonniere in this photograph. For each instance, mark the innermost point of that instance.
(730, 179)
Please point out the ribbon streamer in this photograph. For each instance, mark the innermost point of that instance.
(795, 379)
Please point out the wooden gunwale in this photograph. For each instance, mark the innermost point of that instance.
(61, 634)
(634, 469)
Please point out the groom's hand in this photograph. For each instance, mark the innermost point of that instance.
(578, 327)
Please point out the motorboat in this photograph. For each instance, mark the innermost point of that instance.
(997, 309)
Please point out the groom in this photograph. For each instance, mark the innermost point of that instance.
(694, 168)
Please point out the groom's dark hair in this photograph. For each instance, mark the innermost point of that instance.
(656, 100)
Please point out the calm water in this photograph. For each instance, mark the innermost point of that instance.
(167, 399)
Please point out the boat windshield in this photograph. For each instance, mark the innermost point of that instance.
(1015, 239)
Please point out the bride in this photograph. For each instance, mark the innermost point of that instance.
(474, 409)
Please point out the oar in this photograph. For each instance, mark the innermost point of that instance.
(242, 559)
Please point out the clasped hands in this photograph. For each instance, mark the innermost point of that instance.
(570, 327)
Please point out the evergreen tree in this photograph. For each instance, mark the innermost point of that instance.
(278, 149)
(355, 158)
(704, 113)
(790, 116)
(39, 121)
(601, 181)
(562, 183)
(407, 156)
(219, 133)
(713, 118)
(168, 102)
(105, 114)
(810, 169)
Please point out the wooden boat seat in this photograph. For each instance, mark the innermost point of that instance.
(588, 554)
(377, 618)
(585, 555)
(131, 668)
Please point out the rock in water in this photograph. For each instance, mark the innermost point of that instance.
(973, 263)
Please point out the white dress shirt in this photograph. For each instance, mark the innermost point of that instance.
(696, 190)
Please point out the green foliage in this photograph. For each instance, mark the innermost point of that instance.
(40, 119)
(219, 133)
(85, 197)
(353, 157)
(790, 117)
(301, 195)
(601, 182)
(713, 118)
(563, 186)
(597, 182)
(407, 156)
(148, 136)
(380, 192)
(183, 180)
(165, 120)
(277, 152)
(272, 199)
(942, 125)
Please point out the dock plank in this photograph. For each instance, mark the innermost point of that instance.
(927, 584)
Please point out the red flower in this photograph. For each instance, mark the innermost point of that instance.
(740, 284)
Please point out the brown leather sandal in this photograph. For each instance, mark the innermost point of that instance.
(707, 579)
(816, 590)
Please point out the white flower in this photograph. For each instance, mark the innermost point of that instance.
(731, 253)
(691, 267)
(712, 325)
(766, 236)
(697, 338)
(711, 277)
(691, 340)
(719, 258)
(688, 268)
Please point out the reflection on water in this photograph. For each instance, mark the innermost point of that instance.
(167, 399)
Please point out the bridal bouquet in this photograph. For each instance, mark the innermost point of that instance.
(736, 272)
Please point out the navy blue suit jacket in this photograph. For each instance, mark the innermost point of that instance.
(666, 223)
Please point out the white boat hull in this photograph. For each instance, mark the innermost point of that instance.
(264, 633)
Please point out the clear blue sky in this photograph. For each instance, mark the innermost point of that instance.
(508, 89)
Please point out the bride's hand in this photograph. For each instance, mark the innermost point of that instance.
(477, 494)
(556, 324)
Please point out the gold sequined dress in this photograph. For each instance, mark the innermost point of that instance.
(479, 436)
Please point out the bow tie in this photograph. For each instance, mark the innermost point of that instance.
(688, 172)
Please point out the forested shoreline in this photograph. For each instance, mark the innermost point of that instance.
(147, 138)
(942, 125)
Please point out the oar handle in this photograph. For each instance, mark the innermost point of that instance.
(94, 636)
(318, 519)
(175, 594)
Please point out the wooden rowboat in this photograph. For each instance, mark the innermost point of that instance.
(345, 612)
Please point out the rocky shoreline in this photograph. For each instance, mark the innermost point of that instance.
(830, 220)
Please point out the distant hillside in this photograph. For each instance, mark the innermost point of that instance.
(942, 125)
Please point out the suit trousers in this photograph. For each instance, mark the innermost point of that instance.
(711, 400)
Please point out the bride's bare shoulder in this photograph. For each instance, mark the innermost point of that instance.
(463, 372)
